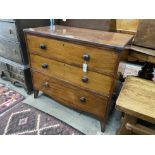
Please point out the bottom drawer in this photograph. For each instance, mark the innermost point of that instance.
(70, 95)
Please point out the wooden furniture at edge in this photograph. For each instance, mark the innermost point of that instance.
(13, 55)
(145, 36)
(142, 48)
(137, 101)
(57, 55)
(127, 25)
(141, 54)
(95, 24)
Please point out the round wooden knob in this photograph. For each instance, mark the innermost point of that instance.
(84, 79)
(86, 57)
(82, 99)
(44, 66)
(42, 46)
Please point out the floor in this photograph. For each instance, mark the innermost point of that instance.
(80, 121)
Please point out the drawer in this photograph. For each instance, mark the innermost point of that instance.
(8, 31)
(70, 95)
(98, 60)
(10, 50)
(93, 81)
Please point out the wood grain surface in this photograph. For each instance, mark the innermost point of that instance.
(127, 25)
(70, 95)
(95, 24)
(143, 50)
(87, 36)
(137, 98)
(145, 35)
(101, 60)
(134, 55)
(96, 82)
(56, 58)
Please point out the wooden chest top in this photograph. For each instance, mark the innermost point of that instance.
(87, 36)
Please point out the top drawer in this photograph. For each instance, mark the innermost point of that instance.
(8, 31)
(98, 60)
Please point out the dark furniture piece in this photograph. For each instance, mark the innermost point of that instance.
(96, 24)
(14, 65)
(145, 35)
(17, 74)
(76, 66)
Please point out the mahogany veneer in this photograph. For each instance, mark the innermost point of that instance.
(57, 56)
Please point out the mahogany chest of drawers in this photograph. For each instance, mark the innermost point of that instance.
(76, 66)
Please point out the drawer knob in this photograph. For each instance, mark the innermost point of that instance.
(82, 99)
(44, 66)
(84, 79)
(45, 84)
(86, 57)
(43, 46)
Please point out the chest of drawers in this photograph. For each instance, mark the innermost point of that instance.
(57, 57)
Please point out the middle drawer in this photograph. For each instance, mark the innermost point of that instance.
(93, 81)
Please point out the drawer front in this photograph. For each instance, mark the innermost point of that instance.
(8, 31)
(91, 80)
(10, 50)
(98, 60)
(70, 95)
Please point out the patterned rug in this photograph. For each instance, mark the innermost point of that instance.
(8, 98)
(24, 119)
